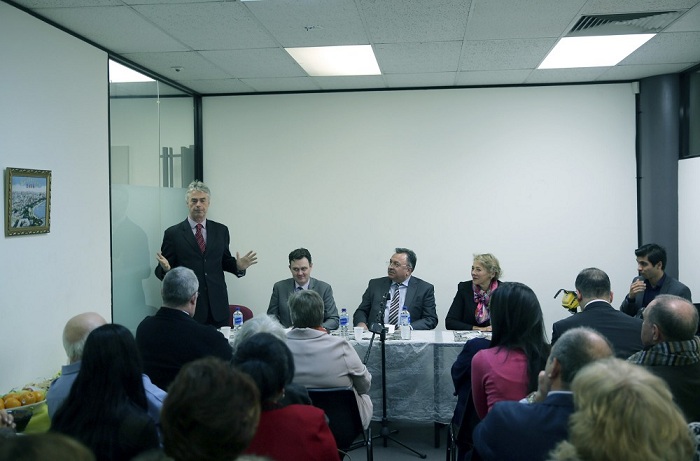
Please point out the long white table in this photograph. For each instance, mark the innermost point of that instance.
(418, 380)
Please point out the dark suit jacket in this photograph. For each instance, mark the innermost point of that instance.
(180, 249)
(671, 286)
(170, 339)
(515, 431)
(420, 301)
(623, 331)
(279, 306)
(684, 382)
(461, 315)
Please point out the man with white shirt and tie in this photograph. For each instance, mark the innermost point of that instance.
(386, 296)
(300, 266)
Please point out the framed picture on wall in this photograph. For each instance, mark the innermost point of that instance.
(27, 201)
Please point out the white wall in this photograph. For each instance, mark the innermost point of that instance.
(689, 224)
(544, 178)
(53, 116)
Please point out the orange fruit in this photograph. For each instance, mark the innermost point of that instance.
(11, 395)
(27, 398)
(12, 403)
(2, 404)
(39, 395)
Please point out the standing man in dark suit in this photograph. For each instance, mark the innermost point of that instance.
(171, 338)
(300, 266)
(203, 246)
(415, 294)
(594, 297)
(652, 281)
(514, 431)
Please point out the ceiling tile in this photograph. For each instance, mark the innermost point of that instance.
(256, 63)
(437, 79)
(486, 78)
(193, 65)
(638, 72)
(667, 48)
(218, 86)
(416, 58)
(587, 74)
(282, 84)
(504, 54)
(362, 82)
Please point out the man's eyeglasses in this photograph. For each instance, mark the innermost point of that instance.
(396, 264)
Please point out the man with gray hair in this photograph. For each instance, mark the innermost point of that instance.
(672, 351)
(75, 333)
(171, 338)
(533, 429)
(203, 245)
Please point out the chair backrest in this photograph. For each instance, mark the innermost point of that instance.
(340, 406)
(247, 313)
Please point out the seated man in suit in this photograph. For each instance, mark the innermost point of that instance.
(75, 333)
(594, 297)
(172, 337)
(386, 296)
(672, 351)
(300, 266)
(652, 281)
(528, 431)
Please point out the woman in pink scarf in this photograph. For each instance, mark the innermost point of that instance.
(470, 308)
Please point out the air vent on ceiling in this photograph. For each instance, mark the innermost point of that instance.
(620, 24)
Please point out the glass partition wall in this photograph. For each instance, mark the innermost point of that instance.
(152, 160)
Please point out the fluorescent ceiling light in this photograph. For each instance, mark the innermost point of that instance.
(594, 51)
(323, 61)
(123, 74)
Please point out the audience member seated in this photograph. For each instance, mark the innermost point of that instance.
(653, 281)
(534, 429)
(75, 333)
(106, 406)
(290, 433)
(300, 266)
(595, 298)
(509, 368)
(672, 351)
(171, 338)
(385, 296)
(322, 360)
(42, 447)
(293, 393)
(470, 308)
(695, 430)
(211, 412)
(623, 412)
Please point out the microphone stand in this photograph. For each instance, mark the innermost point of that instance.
(379, 327)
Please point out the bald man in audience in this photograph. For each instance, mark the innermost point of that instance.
(75, 333)
(528, 431)
(672, 351)
(595, 298)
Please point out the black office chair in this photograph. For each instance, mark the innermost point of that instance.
(340, 406)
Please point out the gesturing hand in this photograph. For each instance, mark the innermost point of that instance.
(247, 260)
(163, 261)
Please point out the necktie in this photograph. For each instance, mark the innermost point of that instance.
(299, 288)
(200, 238)
(394, 307)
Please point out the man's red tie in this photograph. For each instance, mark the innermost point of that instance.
(200, 238)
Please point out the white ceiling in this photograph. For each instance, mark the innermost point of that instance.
(233, 47)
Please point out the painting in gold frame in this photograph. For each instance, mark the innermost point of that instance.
(28, 201)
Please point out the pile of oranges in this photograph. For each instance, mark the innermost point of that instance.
(21, 398)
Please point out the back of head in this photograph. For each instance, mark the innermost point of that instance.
(653, 252)
(490, 263)
(517, 323)
(676, 317)
(593, 283)
(211, 412)
(625, 412)
(259, 324)
(179, 285)
(76, 332)
(41, 447)
(306, 309)
(267, 360)
(299, 253)
(576, 348)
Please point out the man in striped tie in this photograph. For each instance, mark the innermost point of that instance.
(386, 296)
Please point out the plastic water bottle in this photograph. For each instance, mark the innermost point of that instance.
(344, 320)
(405, 323)
(237, 319)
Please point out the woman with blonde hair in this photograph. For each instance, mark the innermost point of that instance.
(623, 412)
(470, 307)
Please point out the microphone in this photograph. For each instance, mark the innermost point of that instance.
(639, 278)
(378, 324)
